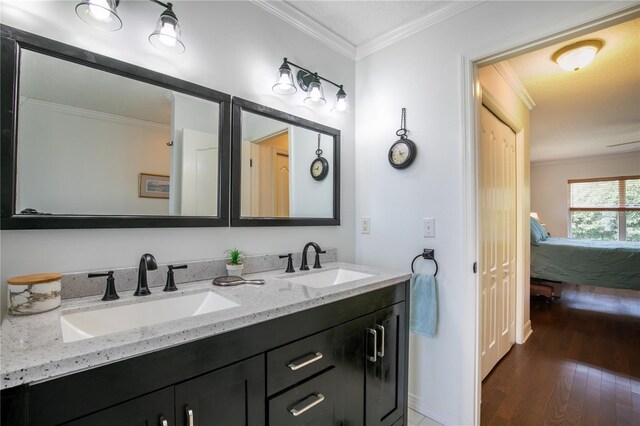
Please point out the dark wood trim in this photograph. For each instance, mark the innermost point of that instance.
(240, 105)
(13, 41)
(89, 391)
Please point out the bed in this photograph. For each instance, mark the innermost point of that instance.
(614, 264)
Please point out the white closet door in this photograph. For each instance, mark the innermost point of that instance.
(497, 173)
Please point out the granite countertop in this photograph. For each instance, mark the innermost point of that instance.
(32, 348)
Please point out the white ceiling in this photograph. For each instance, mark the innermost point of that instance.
(50, 79)
(360, 21)
(580, 113)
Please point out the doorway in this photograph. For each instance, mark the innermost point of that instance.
(472, 104)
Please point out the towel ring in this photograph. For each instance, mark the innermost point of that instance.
(428, 254)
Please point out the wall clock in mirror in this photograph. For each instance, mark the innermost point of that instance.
(319, 166)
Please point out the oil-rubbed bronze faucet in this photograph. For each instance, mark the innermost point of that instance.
(147, 263)
(305, 266)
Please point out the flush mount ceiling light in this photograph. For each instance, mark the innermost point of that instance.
(311, 83)
(102, 14)
(577, 55)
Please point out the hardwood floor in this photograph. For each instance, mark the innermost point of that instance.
(581, 365)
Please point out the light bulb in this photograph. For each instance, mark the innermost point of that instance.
(284, 85)
(341, 106)
(167, 35)
(315, 93)
(99, 9)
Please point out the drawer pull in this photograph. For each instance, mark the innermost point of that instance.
(373, 358)
(189, 413)
(381, 351)
(163, 421)
(317, 399)
(305, 360)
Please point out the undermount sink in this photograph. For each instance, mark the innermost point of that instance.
(112, 319)
(328, 278)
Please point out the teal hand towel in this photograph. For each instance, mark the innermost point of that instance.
(423, 314)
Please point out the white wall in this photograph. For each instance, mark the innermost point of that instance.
(234, 47)
(549, 195)
(76, 161)
(423, 74)
(306, 194)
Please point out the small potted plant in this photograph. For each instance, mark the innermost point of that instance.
(235, 262)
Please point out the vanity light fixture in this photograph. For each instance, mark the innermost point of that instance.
(311, 83)
(102, 14)
(577, 55)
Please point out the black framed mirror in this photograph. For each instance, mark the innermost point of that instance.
(92, 142)
(285, 169)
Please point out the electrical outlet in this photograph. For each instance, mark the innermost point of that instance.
(429, 227)
(365, 225)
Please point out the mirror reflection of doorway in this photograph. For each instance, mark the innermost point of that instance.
(270, 175)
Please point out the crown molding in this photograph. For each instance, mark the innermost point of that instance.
(444, 11)
(96, 115)
(510, 76)
(307, 25)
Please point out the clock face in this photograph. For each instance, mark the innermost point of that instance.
(399, 153)
(402, 153)
(319, 168)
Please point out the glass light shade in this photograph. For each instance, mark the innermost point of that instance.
(315, 94)
(100, 14)
(168, 36)
(342, 105)
(578, 55)
(284, 84)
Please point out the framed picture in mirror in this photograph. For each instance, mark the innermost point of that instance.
(79, 130)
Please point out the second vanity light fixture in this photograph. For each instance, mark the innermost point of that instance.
(102, 14)
(311, 83)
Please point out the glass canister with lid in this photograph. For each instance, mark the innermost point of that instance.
(32, 294)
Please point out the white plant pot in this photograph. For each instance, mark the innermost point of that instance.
(235, 270)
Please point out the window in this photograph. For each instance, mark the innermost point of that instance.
(605, 208)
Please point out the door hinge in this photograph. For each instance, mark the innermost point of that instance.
(475, 267)
(251, 162)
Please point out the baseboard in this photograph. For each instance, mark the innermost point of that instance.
(422, 407)
(527, 331)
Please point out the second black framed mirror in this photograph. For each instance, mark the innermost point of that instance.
(285, 169)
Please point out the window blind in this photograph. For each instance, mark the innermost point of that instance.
(605, 194)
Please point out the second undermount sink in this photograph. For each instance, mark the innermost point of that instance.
(98, 322)
(328, 278)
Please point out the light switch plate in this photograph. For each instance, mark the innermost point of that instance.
(365, 225)
(429, 227)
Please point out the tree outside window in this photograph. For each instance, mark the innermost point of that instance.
(605, 208)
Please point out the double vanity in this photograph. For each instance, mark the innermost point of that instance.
(325, 347)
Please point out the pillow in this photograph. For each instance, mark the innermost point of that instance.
(545, 234)
(536, 233)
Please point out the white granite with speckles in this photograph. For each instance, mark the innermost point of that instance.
(32, 349)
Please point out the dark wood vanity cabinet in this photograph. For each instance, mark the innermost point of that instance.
(373, 367)
(340, 364)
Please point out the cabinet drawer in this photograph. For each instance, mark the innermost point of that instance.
(310, 403)
(299, 360)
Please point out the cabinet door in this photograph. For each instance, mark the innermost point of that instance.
(230, 396)
(148, 410)
(386, 379)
